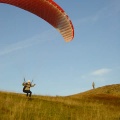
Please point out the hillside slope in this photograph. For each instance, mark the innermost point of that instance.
(98, 104)
(113, 89)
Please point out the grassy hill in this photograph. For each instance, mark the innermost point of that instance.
(97, 104)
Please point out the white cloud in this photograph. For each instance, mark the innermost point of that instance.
(37, 39)
(101, 72)
(16, 46)
(110, 10)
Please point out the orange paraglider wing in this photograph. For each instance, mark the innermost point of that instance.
(50, 12)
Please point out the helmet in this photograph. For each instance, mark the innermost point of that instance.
(28, 81)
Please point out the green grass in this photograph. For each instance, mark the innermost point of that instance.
(97, 104)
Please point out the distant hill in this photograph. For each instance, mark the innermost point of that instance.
(109, 90)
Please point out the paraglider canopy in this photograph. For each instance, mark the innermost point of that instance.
(50, 12)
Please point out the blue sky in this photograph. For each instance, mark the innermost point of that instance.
(31, 48)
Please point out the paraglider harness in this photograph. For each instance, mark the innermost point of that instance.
(24, 87)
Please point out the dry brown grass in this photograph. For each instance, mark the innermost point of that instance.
(95, 104)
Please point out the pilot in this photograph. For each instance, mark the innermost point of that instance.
(26, 88)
